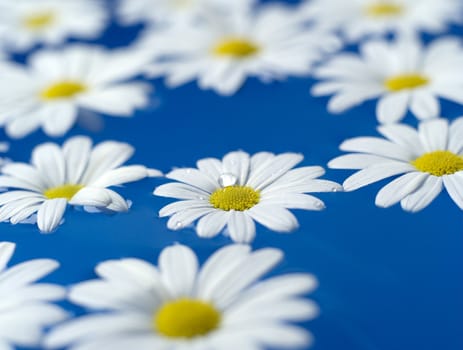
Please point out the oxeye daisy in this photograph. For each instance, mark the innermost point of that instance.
(25, 308)
(179, 305)
(235, 191)
(49, 91)
(220, 53)
(403, 75)
(359, 18)
(74, 174)
(25, 23)
(427, 159)
(174, 12)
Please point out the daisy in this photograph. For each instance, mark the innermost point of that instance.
(240, 189)
(51, 89)
(222, 52)
(429, 158)
(173, 12)
(359, 18)
(24, 308)
(25, 23)
(74, 174)
(403, 75)
(178, 305)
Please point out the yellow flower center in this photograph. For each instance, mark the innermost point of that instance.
(39, 21)
(405, 81)
(62, 90)
(439, 163)
(234, 198)
(65, 191)
(236, 48)
(186, 318)
(383, 10)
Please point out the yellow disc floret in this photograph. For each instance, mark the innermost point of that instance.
(186, 318)
(39, 21)
(439, 163)
(383, 10)
(236, 48)
(62, 90)
(238, 198)
(405, 81)
(65, 191)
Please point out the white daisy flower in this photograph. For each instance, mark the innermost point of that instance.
(178, 305)
(403, 75)
(240, 189)
(359, 18)
(222, 52)
(73, 174)
(174, 12)
(25, 308)
(429, 158)
(25, 23)
(51, 89)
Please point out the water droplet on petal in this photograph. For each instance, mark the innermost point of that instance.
(319, 205)
(178, 224)
(227, 179)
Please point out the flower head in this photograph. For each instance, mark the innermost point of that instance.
(179, 305)
(239, 189)
(403, 75)
(73, 174)
(26, 23)
(426, 159)
(51, 89)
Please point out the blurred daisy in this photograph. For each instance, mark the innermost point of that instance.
(404, 75)
(25, 23)
(178, 305)
(49, 91)
(24, 308)
(359, 18)
(73, 174)
(174, 12)
(240, 189)
(223, 51)
(429, 158)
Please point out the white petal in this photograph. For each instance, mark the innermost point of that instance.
(6, 252)
(76, 153)
(422, 197)
(97, 197)
(295, 200)
(454, 186)
(178, 265)
(180, 191)
(434, 134)
(120, 176)
(212, 224)
(396, 190)
(392, 107)
(50, 214)
(184, 218)
(425, 105)
(355, 161)
(26, 273)
(242, 228)
(118, 204)
(48, 159)
(195, 178)
(377, 146)
(175, 207)
(455, 143)
(403, 135)
(59, 119)
(274, 217)
(26, 173)
(375, 173)
(237, 163)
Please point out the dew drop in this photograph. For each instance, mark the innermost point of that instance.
(227, 179)
(178, 224)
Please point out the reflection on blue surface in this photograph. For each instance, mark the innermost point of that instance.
(388, 279)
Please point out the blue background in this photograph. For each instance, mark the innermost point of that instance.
(389, 280)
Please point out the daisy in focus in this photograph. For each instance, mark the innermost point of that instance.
(179, 305)
(404, 75)
(25, 308)
(360, 18)
(222, 52)
(74, 174)
(427, 160)
(25, 23)
(235, 191)
(175, 12)
(49, 91)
